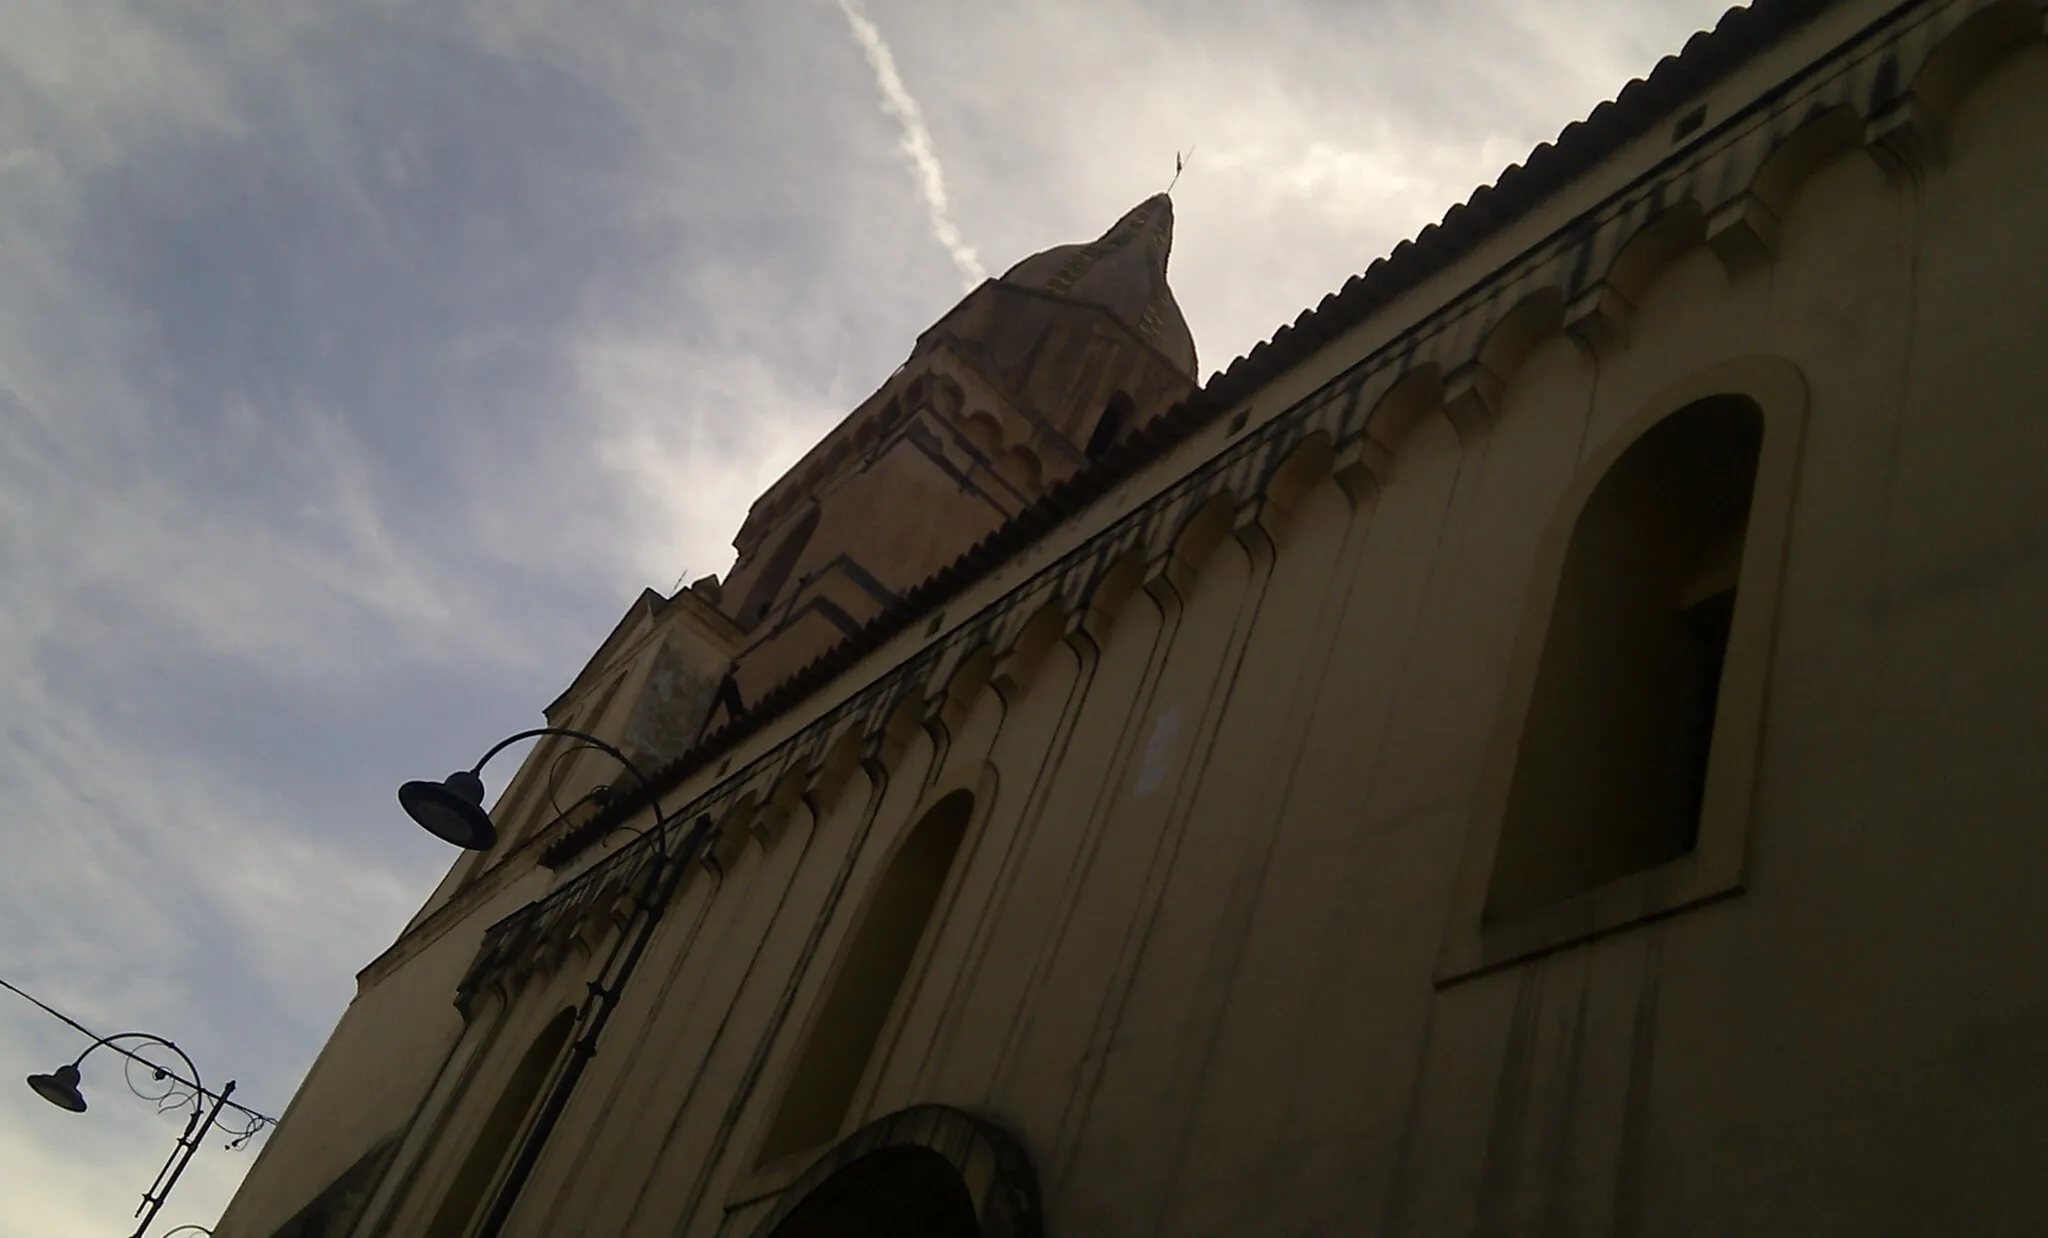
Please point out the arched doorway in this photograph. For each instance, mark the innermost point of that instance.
(930, 1171)
(901, 1192)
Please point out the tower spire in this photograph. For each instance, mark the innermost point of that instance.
(1124, 271)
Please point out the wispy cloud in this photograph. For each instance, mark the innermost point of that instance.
(917, 142)
(666, 410)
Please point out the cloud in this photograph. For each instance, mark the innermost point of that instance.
(665, 413)
(110, 1153)
(917, 141)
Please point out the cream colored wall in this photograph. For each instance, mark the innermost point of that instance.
(1189, 952)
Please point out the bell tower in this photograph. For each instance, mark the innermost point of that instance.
(1012, 392)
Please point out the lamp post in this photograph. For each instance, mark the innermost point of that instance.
(453, 810)
(61, 1088)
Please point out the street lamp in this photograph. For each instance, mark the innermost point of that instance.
(61, 1088)
(453, 810)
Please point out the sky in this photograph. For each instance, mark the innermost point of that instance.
(360, 363)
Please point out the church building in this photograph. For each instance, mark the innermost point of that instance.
(1553, 743)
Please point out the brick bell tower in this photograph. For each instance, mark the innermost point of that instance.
(1025, 381)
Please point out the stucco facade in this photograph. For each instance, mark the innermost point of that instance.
(1556, 743)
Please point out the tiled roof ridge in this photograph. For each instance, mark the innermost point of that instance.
(1706, 57)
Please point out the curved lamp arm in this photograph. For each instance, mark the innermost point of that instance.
(147, 1038)
(60, 1087)
(453, 809)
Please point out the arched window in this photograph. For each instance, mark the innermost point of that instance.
(775, 572)
(865, 984)
(1611, 769)
(1111, 425)
(501, 1130)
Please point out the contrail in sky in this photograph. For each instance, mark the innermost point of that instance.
(917, 141)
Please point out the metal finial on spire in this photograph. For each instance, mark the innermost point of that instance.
(1180, 164)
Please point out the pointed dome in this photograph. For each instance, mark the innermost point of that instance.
(1124, 271)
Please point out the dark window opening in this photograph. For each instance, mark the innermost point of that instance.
(1612, 766)
(1708, 621)
(872, 970)
(507, 1120)
(1110, 426)
(775, 572)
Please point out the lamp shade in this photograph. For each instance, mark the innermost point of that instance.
(452, 810)
(60, 1089)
